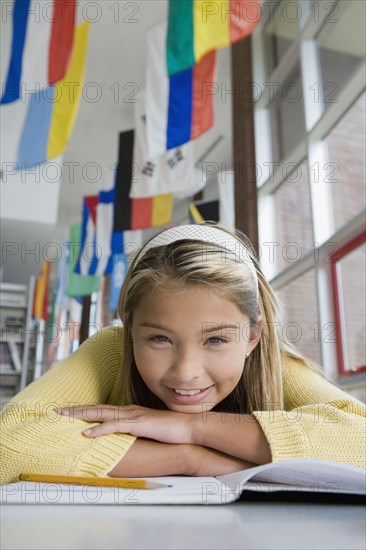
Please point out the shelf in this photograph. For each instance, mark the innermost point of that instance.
(13, 296)
(11, 338)
(12, 287)
(18, 337)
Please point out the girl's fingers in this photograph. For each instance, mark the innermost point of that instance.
(104, 429)
(88, 413)
(98, 413)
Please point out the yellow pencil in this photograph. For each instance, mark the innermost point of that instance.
(116, 482)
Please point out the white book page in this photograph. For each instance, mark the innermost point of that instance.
(300, 474)
(180, 490)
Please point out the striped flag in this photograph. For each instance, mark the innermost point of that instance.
(60, 302)
(204, 210)
(40, 299)
(102, 262)
(52, 112)
(59, 298)
(178, 108)
(221, 210)
(197, 27)
(87, 251)
(78, 285)
(136, 213)
(42, 43)
(124, 245)
(172, 172)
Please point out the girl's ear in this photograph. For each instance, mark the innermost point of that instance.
(255, 334)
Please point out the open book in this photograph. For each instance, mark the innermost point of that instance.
(299, 475)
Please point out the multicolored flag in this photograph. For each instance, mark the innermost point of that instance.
(172, 172)
(60, 303)
(40, 299)
(87, 249)
(178, 108)
(136, 213)
(41, 48)
(78, 285)
(52, 111)
(197, 27)
(204, 210)
(124, 245)
(59, 298)
(102, 263)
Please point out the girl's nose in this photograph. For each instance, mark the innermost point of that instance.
(186, 366)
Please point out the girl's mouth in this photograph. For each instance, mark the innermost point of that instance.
(190, 396)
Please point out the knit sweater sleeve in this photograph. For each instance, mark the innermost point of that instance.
(34, 438)
(319, 420)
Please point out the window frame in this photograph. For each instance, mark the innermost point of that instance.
(337, 301)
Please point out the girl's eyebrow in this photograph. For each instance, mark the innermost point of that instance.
(211, 327)
(155, 325)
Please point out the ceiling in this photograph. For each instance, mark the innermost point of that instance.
(115, 70)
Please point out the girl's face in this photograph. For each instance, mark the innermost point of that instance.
(190, 345)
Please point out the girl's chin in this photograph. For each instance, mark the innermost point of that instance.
(190, 409)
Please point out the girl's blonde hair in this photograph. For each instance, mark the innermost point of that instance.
(201, 263)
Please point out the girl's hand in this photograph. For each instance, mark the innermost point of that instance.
(164, 426)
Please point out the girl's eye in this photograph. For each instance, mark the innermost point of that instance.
(159, 338)
(216, 340)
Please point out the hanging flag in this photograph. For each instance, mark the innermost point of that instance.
(87, 251)
(179, 108)
(226, 183)
(171, 172)
(136, 213)
(119, 271)
(124, 246)
(52, 112)
(197, 27)
(52, 323)
(59, 299)
(60, 303)
(42, 42)
(102, 262)
(40, 299)
(78, 285)
(200, 211)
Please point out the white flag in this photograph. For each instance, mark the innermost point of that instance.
(227, 199)
(171, 172)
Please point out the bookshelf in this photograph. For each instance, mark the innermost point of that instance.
(20, 338)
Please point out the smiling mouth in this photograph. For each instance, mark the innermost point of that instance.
(190, 392)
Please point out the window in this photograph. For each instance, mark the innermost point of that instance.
(287, 116)
(281, 30)
(301, 325)
(346, 145)
(341, 47)
(310, 208)
(292, 206)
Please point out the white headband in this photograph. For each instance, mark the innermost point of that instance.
(197, 232)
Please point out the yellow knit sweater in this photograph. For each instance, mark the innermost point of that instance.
(319, 420)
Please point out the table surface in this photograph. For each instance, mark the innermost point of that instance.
(241, 525)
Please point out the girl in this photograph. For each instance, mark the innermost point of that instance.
(199, 381)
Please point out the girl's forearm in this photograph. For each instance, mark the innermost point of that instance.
(237, 435)
(147, 458)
